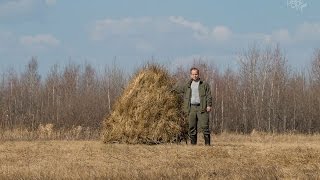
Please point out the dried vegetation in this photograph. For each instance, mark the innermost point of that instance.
(147, 112)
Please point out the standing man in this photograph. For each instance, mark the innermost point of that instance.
(197, 103)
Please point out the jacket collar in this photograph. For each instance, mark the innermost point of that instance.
(190, 81)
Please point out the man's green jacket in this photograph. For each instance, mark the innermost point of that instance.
(204, 93)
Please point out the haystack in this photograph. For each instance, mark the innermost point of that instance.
(148, 112)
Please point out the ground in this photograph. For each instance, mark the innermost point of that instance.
(257, 156)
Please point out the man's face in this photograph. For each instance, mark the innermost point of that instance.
(194, 75)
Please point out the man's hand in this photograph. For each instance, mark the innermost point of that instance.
(208, 109)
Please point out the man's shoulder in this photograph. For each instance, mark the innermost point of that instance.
(188, 83)
(205, 83)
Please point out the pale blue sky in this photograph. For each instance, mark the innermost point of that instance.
(173, 32)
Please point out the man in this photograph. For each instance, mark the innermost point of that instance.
(197, 103)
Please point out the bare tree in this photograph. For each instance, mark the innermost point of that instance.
(30, 80)
(314, 104)
(52, 96)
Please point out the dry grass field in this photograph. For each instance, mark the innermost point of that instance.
(255, 156)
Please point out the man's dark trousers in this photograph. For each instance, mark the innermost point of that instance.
(196, 116)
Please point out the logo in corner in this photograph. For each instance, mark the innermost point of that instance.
(298, 5)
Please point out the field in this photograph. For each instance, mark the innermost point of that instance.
(256, 156)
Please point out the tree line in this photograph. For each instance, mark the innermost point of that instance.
(76, 95)
(263, 93)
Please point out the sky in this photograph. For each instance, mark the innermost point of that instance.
(172, 32)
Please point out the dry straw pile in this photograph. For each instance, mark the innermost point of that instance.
(148, 112)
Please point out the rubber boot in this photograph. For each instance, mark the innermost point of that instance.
(193, 140)
(207, 139)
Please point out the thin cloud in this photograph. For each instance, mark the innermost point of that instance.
(176, 35)
(201, 32)
(281, 35)
(221, 33)
(199, 29)
(23, 8)
(277, 36)
(308, 31)
(12, 7)
(109, 27)
(144, 46)
(303, 32)
(40, 40)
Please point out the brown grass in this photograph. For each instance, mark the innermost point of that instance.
(47, 132)
(148, 112)
(261, 156)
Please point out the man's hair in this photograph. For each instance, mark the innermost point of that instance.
(194, 68)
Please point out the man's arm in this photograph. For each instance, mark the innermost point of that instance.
(209, 98)
(178, 88)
